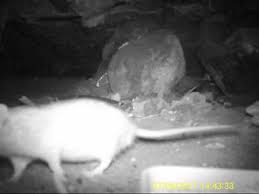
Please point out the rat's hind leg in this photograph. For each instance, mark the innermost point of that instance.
(104, 164)
(58, 175)
(19, 165)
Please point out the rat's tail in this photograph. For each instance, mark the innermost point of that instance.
(184, 132)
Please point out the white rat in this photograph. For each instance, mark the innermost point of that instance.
(75, 131)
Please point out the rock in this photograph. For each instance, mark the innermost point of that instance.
(153, 64)
(129, 31)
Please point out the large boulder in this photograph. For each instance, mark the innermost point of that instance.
(128, 31)
(153, 64)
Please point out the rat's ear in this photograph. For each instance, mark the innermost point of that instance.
(3, 113)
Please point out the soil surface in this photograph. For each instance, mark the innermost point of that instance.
(124, 174)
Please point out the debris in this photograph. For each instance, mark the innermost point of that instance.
(195, 99)
(94, 21)
(192, 123)
(168, 114)
(47, 100)
(215, 145)
(209, 96)
(188, 110)
(142, 107)
(103, 80)
(228, 104)
(43, 100)
(115, 96)
(25, 100)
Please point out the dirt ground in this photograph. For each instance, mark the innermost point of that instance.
(124, 174)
